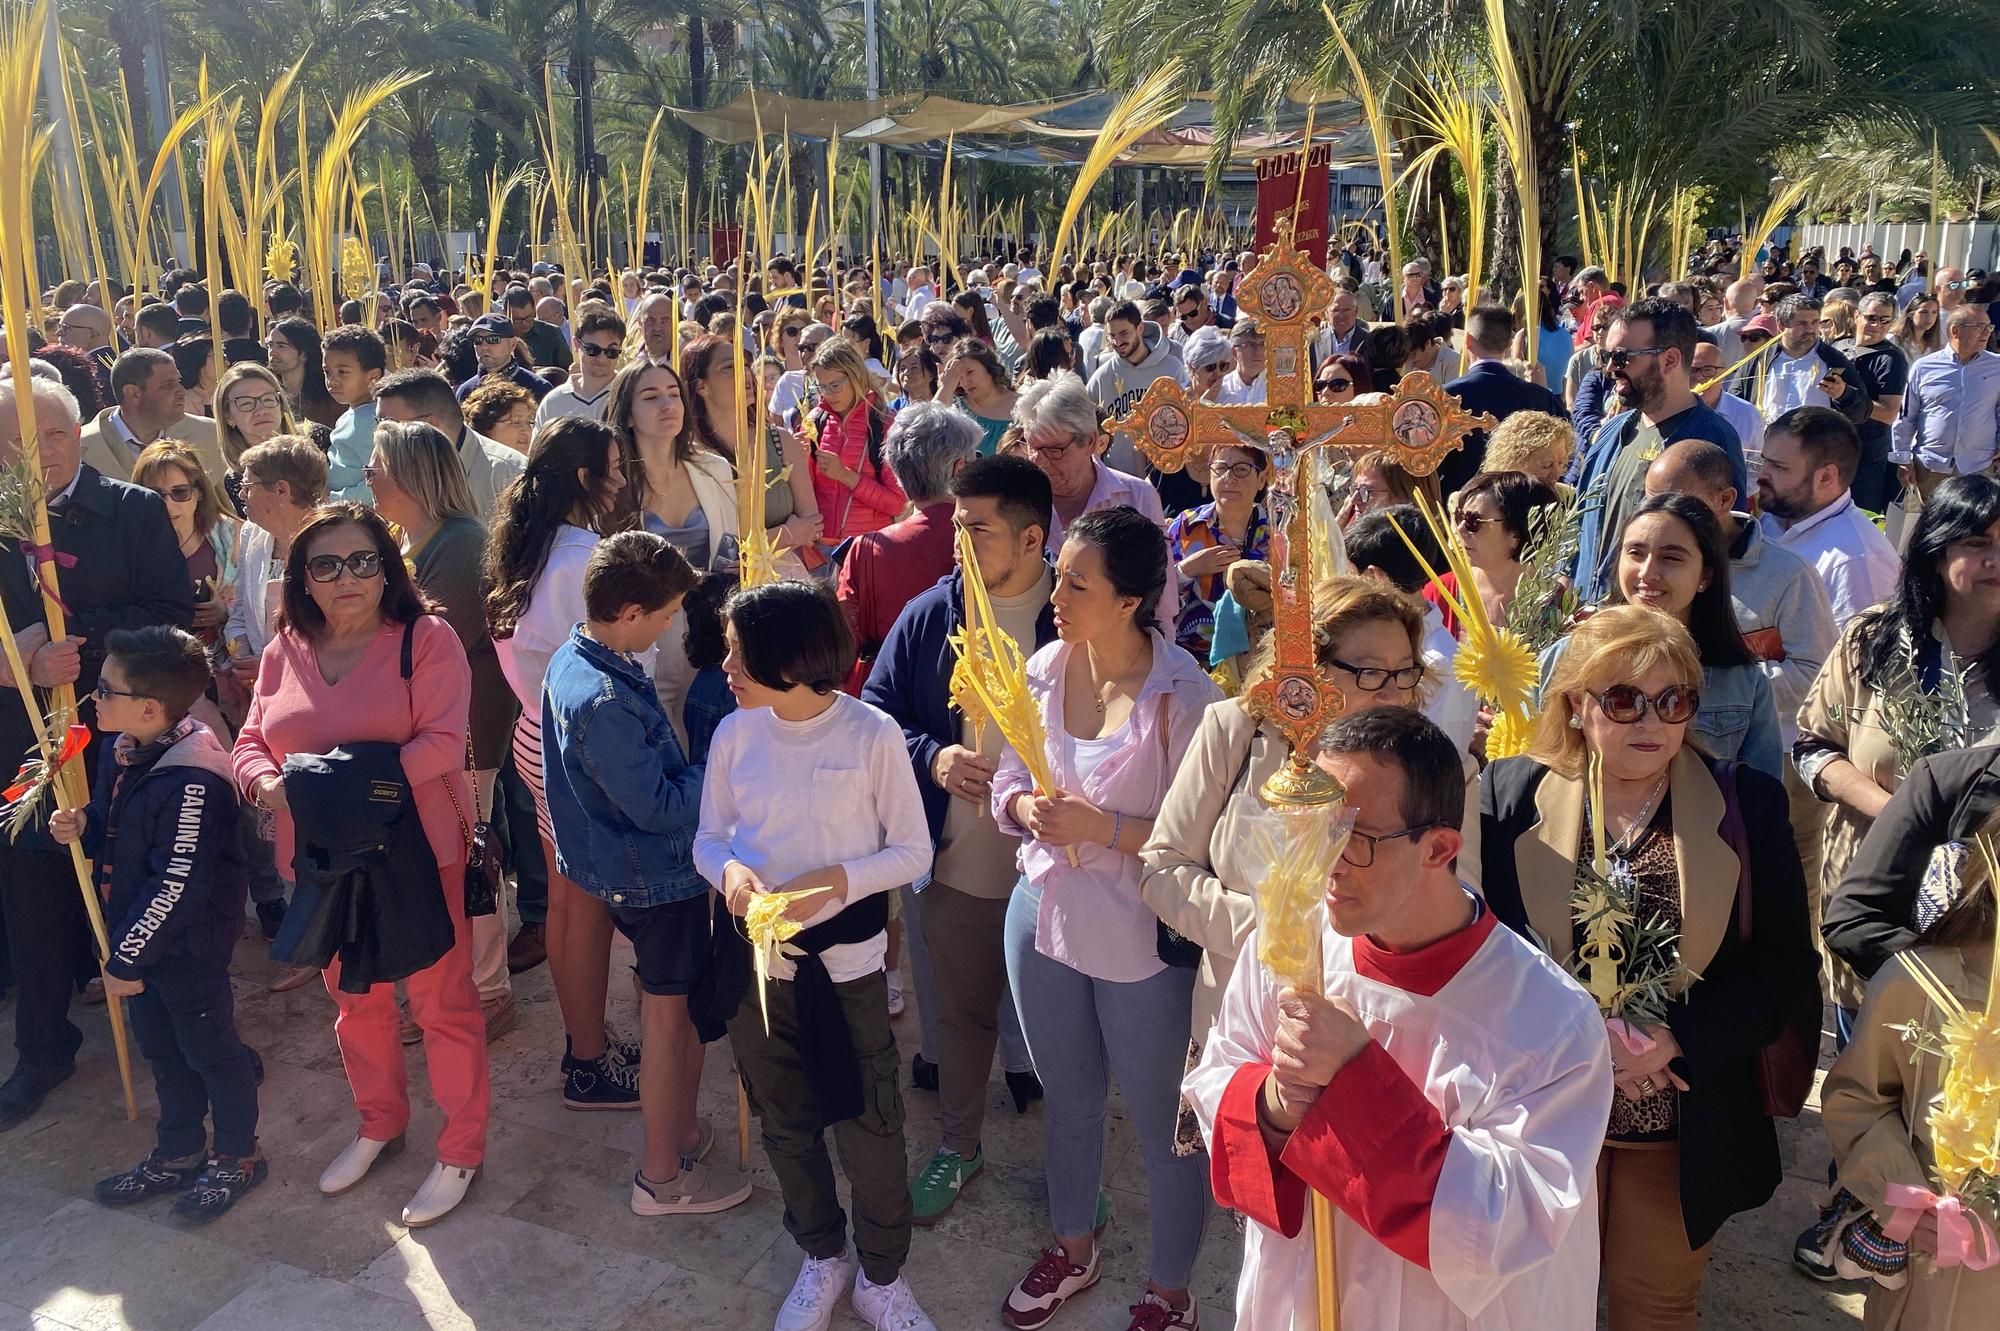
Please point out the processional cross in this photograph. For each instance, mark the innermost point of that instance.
(1417, 426)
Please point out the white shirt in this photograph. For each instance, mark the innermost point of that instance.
(1742, 416)
(1855, 560)
(1793, 381)
(565, 401)
(788, 392)
(555, 605)
(783, 797)
(1469, 1129)
(1452, 706)
(1232, 391)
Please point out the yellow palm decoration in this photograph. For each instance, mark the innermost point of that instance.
(1495, 663)
(769, 930)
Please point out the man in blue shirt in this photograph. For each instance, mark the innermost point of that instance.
(1649, 354)
(1950, 425)
(494, 343)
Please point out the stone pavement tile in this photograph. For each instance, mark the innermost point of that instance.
(1006, 1209)
(504, 1274)
(20, 1319)
(100, 1270)
(1768, 1231)
(1803, 1146)
(71, 1142)
(589, 1197)
(24, 1206)
(693, 1302)
(1744, 1293)
(295, 1300)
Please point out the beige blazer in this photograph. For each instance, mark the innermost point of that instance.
(105, 448)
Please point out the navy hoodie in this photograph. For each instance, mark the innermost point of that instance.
(163, 833)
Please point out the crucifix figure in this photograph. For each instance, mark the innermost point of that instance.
(1417, 425)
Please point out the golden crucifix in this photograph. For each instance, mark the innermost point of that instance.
(1418, 425)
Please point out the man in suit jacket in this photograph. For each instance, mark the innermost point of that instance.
(147, 387)
(120, 567)
(426, 395)
(1488, 385)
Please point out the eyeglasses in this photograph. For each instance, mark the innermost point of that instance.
(362, 564)
(105, 693)
(370, 473)
(1626, 704)
(262, 402)
(1235, 471)
(1372, 679)
(1336, 385)
(1624, 356)
(597, 349)
(180, 494)
(1360, 848)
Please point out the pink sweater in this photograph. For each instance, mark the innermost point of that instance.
(873, 502)
(294, 710)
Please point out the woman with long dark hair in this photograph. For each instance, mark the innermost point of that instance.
(544, 528)
(709, 370)
(1910, 677)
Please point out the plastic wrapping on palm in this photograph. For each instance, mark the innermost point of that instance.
(1298, 849)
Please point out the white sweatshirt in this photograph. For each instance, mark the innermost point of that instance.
(781, 797)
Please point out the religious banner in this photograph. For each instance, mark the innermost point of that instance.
(724, 244)
(1279, 198)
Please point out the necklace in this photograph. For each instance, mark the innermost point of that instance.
(1635, 829)
(1111, 681)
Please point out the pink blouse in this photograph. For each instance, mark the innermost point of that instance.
(294, 710)
(1091, 918)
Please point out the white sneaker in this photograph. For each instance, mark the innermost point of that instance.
(439, 1197)
(816, 1293)
(352, 1165)
(895, 994)
(889, 1307)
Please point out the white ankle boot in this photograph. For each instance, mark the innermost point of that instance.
(352, 1165)
(440, 1195)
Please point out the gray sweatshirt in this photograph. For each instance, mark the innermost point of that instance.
(1117, 384)
(1773, 588)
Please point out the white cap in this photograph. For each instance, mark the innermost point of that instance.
(1205, 346)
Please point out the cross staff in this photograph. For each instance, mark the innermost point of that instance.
(1417, 425)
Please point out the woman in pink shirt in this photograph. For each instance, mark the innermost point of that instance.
(333, 675)
(856, 490)
(1120, 704)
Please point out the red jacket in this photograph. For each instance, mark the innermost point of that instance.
(884, 570)
(874, 501)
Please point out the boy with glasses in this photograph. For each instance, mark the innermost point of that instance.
(600, 341)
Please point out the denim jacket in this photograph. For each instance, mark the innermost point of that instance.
(623, 799)
(1738, 717)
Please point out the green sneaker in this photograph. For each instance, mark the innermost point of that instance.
(937, 1188)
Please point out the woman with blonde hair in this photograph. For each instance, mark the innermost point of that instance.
(1379, 481)
(856, 490)
(1707, 847)
(250, 408)
(1533, 442)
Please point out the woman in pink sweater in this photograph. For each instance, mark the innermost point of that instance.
(856, 490)
(332, 675)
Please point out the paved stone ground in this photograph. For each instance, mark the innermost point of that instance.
(545, 1239)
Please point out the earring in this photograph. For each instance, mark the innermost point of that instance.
(1576, 723)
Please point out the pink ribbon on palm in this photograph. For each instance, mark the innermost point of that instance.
(44, 555)
(1964, 1237)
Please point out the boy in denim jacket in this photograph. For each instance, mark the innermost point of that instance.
(625, 802)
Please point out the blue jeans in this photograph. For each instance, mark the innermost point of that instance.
(1081, 1032)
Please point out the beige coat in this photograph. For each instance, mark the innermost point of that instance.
(1876, 1105)
(1201, 866)
(106, 450)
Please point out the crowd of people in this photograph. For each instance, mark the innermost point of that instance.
(431, 625)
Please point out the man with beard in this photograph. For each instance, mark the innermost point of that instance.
(1805, 371)
(1803, 489)
(1649, 354)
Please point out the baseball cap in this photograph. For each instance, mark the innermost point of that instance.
(493, 323)
(1204, 347)
(1760, 323)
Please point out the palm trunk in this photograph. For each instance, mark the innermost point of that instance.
(697, 142)
(126, 25)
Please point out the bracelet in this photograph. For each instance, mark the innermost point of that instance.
(1117, 827)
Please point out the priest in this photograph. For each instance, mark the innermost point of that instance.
(1448, 1091)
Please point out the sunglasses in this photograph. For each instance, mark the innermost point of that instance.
(596, 349)
(1336, 385)
(1626, 704)
(1624, 356)
(362, 564)
(1958, 286)
(1471, 523)
(487, 339)
(179, 494)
